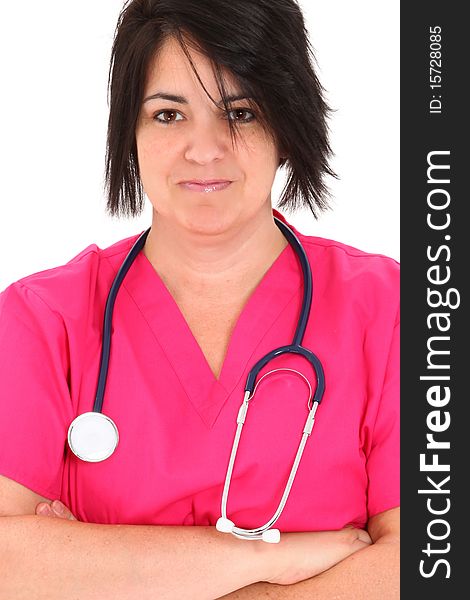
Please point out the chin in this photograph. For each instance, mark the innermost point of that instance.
(208, 220)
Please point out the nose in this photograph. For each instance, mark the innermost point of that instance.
(207, 141)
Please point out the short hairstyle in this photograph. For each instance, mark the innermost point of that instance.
(264, 44)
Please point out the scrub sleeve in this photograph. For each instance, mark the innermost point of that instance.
(383, 460)
(35, 406)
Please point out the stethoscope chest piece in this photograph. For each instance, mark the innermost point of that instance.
(93, 437)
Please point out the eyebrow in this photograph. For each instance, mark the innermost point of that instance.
(183, 100)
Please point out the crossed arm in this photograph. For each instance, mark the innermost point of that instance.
(369, 574)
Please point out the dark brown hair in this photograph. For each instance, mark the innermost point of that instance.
(265, 45)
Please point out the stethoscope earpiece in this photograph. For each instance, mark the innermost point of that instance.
(271, 536)
(224, 525)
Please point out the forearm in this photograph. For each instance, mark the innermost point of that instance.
(53, 559)
(371, 573)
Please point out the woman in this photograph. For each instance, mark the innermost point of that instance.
(202, 98)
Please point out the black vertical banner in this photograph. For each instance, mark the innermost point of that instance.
(435, 361)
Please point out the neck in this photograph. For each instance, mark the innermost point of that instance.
(200, 263)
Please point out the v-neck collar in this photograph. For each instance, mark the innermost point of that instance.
(206, 393)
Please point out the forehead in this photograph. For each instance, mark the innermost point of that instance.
(170, 67)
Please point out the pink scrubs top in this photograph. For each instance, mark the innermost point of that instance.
(177, 421)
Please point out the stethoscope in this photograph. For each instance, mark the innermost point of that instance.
(93, 436)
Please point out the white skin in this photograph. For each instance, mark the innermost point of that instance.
(203, 240)
(301, 555)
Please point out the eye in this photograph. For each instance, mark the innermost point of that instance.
(169, 116)
(237, 111)
(166, 121)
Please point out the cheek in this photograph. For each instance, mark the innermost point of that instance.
(261, 152)
(154, 158)
(151, 150)
(260, 163)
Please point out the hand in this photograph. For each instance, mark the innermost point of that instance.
(54, 509)
(306, 554)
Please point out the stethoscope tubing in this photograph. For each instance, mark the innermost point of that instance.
(295, 347)
(307, 281)
(108, 318)
(225, 524)
(95, 421)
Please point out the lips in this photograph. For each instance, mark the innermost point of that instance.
(198, 185)
(206, 181)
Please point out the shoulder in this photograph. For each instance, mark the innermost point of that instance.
(67, 288)
(368, 284)
(352, 264)
(344, 260)
(348, 277)
(347, 264)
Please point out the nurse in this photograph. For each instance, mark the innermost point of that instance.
(207, 100)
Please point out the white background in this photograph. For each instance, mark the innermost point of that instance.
(54, 59)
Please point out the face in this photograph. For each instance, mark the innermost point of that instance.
(187, 140)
